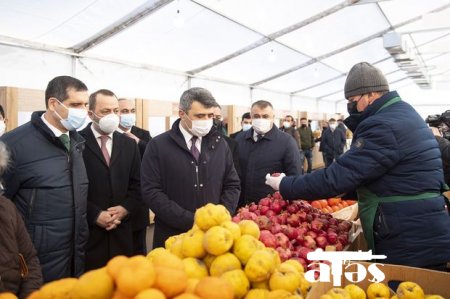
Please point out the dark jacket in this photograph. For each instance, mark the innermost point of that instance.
(144, 137)
(174, 185)
(49, 187)
(294, 133)
(444, 146)
(306, 138)
(393, 153)
(333, 142)
(16, 249)
(233, 145)
(118, 184)
(233, 136)
(275, 152)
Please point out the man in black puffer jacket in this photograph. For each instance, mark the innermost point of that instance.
(47, 179)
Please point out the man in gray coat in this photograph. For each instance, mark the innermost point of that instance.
(47, 178)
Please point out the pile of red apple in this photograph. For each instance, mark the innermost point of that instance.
(295, 228)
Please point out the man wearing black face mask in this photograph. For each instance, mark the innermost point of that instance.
(394, 164)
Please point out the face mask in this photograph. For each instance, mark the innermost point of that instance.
(303, 125)
(200, 127)
(261, 125)
(108, 123)
(2, 127)
(352, 108)
(333, 126)
(128, 120)
(246, 127)
(75, 119)
(286, 124)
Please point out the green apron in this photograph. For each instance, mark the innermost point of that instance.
(368, 201)
(368, 204)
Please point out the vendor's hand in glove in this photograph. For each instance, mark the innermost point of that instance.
(274, 181)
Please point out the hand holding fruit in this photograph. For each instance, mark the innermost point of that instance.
(274, 180)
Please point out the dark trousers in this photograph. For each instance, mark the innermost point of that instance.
(140, 242)
(308, 156)
(329, 158)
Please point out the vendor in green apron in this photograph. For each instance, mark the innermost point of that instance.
(395, 166)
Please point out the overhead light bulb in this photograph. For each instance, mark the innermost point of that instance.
(179, 20)
(272, 56)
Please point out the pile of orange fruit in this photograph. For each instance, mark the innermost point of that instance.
(331, 205)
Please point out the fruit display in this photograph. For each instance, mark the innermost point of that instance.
(405, 290)
(217, 259)
(331, 205)
(295, 228)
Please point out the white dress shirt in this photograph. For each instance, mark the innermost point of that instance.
(188, 136)
(54, 129)
(97, 136)
(255, 136)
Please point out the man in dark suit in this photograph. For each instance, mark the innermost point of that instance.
(113, 165)
(127, 113)
(246, 124)
(141, 219)
(187, 167)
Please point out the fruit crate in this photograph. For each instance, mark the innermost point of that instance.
(432, 282)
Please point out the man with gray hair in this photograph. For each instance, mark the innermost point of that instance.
(187, 167)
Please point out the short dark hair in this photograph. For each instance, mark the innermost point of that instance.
(93, 97)
(59, 86)
(331, 119)
(262, 104)
(246, 115)
(303, 118)
(290, 116)
(201, 95)
(2, 112)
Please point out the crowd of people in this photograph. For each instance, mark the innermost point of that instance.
(73, 199)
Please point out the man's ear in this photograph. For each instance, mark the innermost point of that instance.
(51, 103)
(181, 113)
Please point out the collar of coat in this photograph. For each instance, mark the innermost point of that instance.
(210, 141)
(37, 122)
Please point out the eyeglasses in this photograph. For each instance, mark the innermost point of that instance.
(354, 100)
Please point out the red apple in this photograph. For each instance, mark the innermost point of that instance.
(293, 220)
(309, 242)
(268, 239)
(343, 239)
(339, 246)
(321, 242)
(282, 240)
(332, 238)
(317, 225)
(312, 234)
(291, 232)
(275, 207)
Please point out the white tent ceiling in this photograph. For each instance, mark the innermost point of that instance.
(301, 48)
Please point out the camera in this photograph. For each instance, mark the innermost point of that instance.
(442, 122)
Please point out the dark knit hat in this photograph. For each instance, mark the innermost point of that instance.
(364, 78)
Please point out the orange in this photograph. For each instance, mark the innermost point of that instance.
(170, 281)
(95, 284)
(316, 204)
(119, 295)
(115, 264)
(335, 208)
(137, 275)
(214, 287)
(187, 296)
(150, 294)
(58, 289)
(7, 295)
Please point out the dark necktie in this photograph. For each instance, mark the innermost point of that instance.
(194, 149)
(259, 137)
(105, 153)
(65, 141)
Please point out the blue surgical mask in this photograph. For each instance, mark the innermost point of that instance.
(246, 127)
(128, 120)
(75, 119)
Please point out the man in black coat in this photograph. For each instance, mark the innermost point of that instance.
(232, 144)
(246, 123)
(113, 165)
(333, 142)
(187, 167)
(141, 219)
(47, 178)
(127, 113)
(264, 149)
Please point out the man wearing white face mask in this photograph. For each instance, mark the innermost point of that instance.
(187, 167)
(127, 113)
(113, 165)
(264, 149)
(333, 142)
(47, 178)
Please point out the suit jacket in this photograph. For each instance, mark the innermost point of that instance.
(233, 145)
(233, 135)
(118, 184)
(144, 137)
